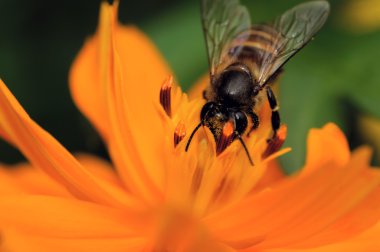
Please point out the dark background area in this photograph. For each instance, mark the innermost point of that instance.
(335, 78)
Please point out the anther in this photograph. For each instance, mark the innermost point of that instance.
(179, 133)
(226, 138)
(276, 142)
(165, 95)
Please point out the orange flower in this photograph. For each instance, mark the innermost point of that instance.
(361, 16)
(369, 128)
(161, 198)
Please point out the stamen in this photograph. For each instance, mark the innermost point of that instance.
(179, 133)
(225, 138)
(275, 143)
(165, 95)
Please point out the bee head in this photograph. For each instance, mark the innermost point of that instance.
(226, 126)
(213, 116)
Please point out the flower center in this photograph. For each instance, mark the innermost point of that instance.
(213, 172)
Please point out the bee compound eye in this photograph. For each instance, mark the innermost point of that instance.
(240, 122)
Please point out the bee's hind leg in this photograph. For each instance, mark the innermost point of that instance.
(276, 121)
(255, 121)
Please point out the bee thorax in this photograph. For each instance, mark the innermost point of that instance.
(235, 88)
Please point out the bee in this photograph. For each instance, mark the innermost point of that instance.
(246, 59)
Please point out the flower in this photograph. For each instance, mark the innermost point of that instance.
(369, 128)
(361, 16)
(161, 198)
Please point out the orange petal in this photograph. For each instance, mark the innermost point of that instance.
(326, 145)
(196, 91)
(99, 168)
(44, 152)
(66, 218)
(273, 174)
(367, 241)
(9, 185)
(23, 178)
(306, 207)
(19, 241)
(123, 72)
(180, 231)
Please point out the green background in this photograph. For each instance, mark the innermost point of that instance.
(334, 79)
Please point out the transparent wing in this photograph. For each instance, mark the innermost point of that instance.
(222, 20)
(295, 28)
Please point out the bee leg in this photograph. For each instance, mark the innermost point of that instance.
(240, 124)
(276, 121)
(245, 148)
(255, 121)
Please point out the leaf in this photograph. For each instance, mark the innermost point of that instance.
(178, 34)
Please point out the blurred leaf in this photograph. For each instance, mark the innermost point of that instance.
(365, 86)
(178, 34)
(306, 102)
(370, 131)
(350, 72)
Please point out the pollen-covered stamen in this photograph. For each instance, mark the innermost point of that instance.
(226, 138)
(276, 143)
(165, 95)
(179, 133)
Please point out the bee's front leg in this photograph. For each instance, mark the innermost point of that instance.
(255, 121)
(276, 121)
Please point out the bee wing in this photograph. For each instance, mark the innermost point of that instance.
(295, 28)
(222, 20)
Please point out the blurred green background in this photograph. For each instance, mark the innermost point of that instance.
(335, 78)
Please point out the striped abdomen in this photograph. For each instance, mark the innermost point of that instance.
(258, 45)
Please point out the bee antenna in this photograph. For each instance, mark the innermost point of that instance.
(192, 135)
(245, 148)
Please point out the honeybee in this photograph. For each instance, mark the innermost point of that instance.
(245, 60)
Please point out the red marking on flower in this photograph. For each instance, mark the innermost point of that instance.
(165, 95)
(276, 143)
(179, 133)
(225, 138)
